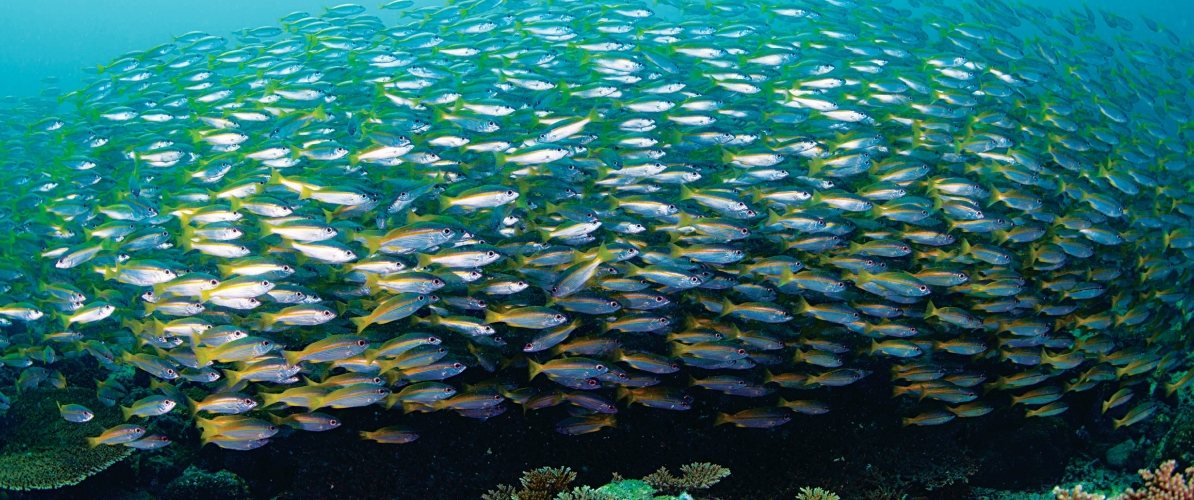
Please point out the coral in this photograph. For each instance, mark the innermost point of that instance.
(1178, 441)
(700, 476)
(503, 492)
(1075, 493)
(43, 451)
(697, 476)
(545, 483)
(585, 493)
(1163, 484)
(662, 480)
(198, 483)
(539, 484)
(807, 493)
(552, 484)
(633, 489)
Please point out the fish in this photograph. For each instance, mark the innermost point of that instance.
(574, 426)
(764, 417)
(391, 435)
(119, 434)
(150, 406)
(75, 413)
(534, 189)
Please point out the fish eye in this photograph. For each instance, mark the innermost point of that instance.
(265, 283)
(447, 231)
(362, 343)
(510, 193)
(170, 371)
(249, 401)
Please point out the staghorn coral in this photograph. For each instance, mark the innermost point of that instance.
(1163, 484)
(1075, 493)
(807, 493)
(503, 492)
(662, 480)
(702, 475)
(540, 484)
(552, 484)
(42, 451)
(585, 493)
(545, 482)
(697, 476)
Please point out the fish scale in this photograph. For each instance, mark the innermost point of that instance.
(579, 156)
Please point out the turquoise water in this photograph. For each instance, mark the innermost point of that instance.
(890, 250)
(57, 39)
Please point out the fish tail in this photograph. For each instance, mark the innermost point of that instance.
(233, 377)
(294, 357)
(726, 307)
(533, 369)
(192, 406)
(721, 418)
(361, 322)
(126, 412)
(92, 442)
(276, 420)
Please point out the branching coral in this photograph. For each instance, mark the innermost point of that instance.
(807, 493)
(43, 451)
(700, 476)
(503, 492)
(697, 476)
(539, 484)
(1075, 493)
(1163, 484)
(585, 493)
(552, 484)
(662, 480)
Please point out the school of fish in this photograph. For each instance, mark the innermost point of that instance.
(608, 203)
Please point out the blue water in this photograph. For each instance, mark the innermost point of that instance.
(42, 38)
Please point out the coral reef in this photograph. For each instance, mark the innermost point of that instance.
(43, 451)
(1075, 493)
(198, 483)
(628, 489)
(540, 484)
(1163, 484)
(585, 493)
(551, 484)
(697, 476)
(807, 493)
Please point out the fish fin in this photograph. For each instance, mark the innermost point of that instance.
(721, 418)
(361, 322)
(533, 369)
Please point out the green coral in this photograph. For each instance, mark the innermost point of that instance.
(632, 489)
(43, 451)
(807, 493)
(585, 493)
(198, 483)
(551, 484)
